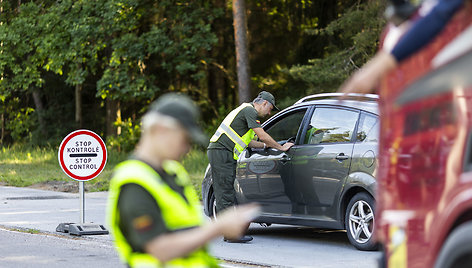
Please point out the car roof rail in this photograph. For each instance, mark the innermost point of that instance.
(349, 96)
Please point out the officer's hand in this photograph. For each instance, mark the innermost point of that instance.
(287, 146)
(233, 222)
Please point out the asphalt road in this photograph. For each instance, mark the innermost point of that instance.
(291, 246)
(18, 249)
(41, 211)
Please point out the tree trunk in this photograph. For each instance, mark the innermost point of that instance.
(118, 117)
(3, 127)
(38, 103)
(213, 84)
(3, 112)
(242, 54)
(78, 106)
(113, 115)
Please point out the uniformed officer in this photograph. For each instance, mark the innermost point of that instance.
(153, 211)
(235, 134)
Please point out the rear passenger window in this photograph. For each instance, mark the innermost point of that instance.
(330, 125)
(368, 130)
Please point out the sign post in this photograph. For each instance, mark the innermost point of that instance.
(82, 156)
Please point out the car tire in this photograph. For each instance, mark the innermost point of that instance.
(456, 252)
(360, 221)
(212, 206)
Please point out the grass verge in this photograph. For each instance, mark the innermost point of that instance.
(23, 166)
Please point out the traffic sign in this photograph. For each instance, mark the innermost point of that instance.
(82, 155)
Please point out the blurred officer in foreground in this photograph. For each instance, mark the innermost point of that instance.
(153, 210)
(235, 134)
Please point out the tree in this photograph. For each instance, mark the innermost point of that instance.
(20, 65)
(355, 37)
(242, 53)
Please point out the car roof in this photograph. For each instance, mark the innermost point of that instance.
(365, 102)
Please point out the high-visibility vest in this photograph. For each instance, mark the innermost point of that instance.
(177, 212)
(240, 143)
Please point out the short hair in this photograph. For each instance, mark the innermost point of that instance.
(258, 100)
(151, 119)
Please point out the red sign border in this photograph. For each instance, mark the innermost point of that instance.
(61, 154)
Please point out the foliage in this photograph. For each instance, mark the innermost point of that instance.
(356, 39)
(128, 138)
(128, 50)
(164, 39)
(20, 123)
(18, 119)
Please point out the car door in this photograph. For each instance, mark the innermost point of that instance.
(320, 163)
(261, 175)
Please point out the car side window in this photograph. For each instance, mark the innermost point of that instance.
(368, 130)
(287, 127)
(330, 125)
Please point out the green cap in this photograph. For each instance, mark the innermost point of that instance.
(268, 97)
(184, 110)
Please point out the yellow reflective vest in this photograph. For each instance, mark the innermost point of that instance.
(176, 211)
(240, 143)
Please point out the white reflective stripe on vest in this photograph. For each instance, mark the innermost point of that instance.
(232, 135)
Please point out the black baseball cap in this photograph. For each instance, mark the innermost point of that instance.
(268, 97)
(184, 110)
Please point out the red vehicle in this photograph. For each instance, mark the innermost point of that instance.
(424, 197)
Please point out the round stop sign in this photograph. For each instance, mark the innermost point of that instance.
(82, 155)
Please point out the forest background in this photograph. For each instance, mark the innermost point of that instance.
(97, 65)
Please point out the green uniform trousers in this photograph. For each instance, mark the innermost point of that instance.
(223, 172)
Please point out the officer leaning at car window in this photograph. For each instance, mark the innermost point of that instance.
(153, 211)
(235, 134)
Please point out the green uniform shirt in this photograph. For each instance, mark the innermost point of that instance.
(244, 120)
(141, 218)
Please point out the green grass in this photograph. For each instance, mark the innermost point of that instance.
(195, 163)
(25, 230)
(23, 166)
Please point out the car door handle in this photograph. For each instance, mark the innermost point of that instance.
(342, 157)
(285, 158)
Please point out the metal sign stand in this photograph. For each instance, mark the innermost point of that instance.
(73, 147)
(82, 201)
(81, 228)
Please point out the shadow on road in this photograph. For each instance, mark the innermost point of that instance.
(301, 233)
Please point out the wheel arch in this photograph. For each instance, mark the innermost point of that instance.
(456, 247)
(464, 217)
(456, 214)
(347, 196)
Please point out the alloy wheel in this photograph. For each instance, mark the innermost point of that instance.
(361, 221)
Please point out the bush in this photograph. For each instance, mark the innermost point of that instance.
(129, 137)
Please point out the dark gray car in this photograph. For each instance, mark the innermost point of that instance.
(326, 180)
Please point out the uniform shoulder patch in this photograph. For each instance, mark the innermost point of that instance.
(142, 223)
